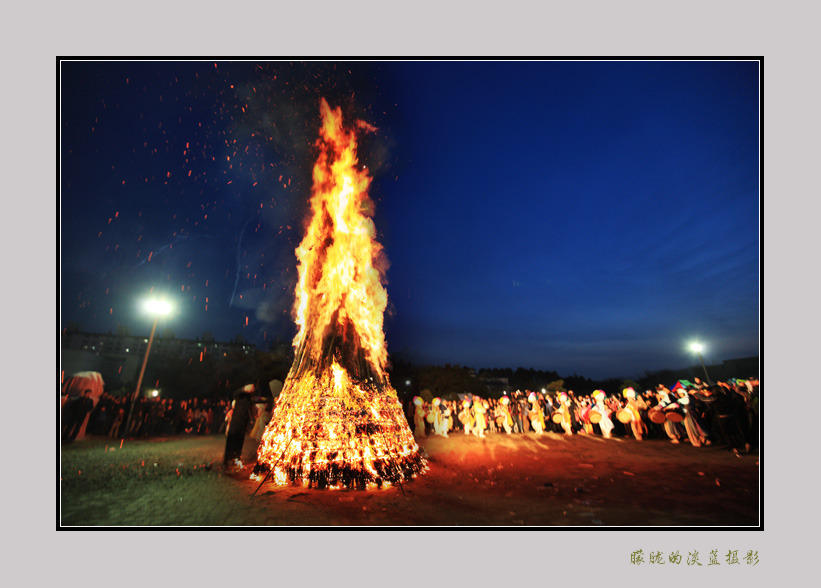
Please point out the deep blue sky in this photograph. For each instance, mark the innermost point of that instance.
(582, 217)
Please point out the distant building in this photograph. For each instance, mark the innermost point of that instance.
(118, 356)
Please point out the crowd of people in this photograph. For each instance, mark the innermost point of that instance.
(154, 417)
(725, 414)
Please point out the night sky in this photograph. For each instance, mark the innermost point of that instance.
(583, 217)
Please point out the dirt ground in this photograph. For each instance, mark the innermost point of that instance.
(502, 480)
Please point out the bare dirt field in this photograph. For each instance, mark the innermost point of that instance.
(502, 480)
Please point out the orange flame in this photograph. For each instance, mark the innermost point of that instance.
(338, 421)
(339, 248)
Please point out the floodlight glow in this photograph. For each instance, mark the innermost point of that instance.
(157, 307)
(697, 347)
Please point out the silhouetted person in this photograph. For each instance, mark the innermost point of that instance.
(727, 418)
(240, 420)
(74, 413)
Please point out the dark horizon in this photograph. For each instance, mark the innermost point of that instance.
(401, 357)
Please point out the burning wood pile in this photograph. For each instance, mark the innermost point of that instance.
(339, 423)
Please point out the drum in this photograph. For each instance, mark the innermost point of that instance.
(674, 416)
(624, 416)
(595, 417)
(656, 416)
(557, 417)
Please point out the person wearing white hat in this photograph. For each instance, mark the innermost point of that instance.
(432, 416)
(419, 417)
(695, 433)
(668, 404)
(536, 414)
(633, 410)
(605, 423)
(480, 410)
(567, 419)
(466, 416)
(507, 418)
(439, 419)
(447, 418)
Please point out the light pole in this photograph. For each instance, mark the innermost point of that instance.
(158, 308)
(697, 347)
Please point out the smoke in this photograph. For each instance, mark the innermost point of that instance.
(270, 151)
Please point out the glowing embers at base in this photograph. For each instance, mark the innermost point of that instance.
(331, 432)
(339, 422)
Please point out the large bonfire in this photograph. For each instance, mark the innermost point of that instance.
(338, 422)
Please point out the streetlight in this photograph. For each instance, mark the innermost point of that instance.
(697, 348)
(158, 308)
